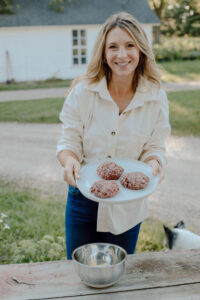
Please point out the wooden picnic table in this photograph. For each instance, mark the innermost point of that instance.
(169, 275)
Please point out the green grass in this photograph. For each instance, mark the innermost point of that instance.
(30, 217)
(49, 83)
(180, 71)
(184, 111)
(37, 227)
(32, 111)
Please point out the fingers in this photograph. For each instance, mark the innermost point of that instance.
(72, 172)
(156, 169)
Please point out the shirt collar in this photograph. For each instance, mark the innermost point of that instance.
(146, 92)
(101, 88)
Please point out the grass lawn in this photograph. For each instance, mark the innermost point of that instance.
(51, 83)
(184, 111)
(180, 71)
(34, 111)
(176, 71)
(36, 230)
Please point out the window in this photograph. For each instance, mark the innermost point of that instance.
(79, 52)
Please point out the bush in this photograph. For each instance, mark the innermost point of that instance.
(46, 249)
(177, 49)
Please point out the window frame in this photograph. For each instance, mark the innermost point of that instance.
(81, 35)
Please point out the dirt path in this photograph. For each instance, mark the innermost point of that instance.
(27, 156)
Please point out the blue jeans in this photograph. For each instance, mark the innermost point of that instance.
(81, 222)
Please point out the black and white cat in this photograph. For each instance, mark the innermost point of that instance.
(180, 238)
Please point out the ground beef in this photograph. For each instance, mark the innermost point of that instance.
(134, 180)
(104, 189)
(110, 171)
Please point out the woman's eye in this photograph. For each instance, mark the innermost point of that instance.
(112, 47)
(130, 45)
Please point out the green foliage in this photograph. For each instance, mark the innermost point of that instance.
(6, 7)
(58, 5)
(175, 48)
(32, 250)
(182, 18)
(151, 237)
(36, 225)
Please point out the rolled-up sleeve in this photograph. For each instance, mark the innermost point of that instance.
(72, 126)
(156, 144)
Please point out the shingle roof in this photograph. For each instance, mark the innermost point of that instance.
(38, 13)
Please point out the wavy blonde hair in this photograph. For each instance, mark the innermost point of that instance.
(98, 68)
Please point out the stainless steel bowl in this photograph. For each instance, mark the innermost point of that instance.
(99, 265)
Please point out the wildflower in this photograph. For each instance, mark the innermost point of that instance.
(49, 238)
(6, 226)
(3, 215)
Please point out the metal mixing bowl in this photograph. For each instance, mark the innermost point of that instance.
(99, 264)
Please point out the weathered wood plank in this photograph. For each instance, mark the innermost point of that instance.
(183, 292)
(58, 279)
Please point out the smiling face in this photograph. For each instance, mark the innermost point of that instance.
(121, 53)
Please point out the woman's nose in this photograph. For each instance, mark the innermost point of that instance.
(122, 52)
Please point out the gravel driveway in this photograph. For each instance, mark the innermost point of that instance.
(27, 156)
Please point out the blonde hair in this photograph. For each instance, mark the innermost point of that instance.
(98, 68)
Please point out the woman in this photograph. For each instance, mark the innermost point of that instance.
(116, 110)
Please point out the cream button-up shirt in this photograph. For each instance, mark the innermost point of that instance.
(93, 129)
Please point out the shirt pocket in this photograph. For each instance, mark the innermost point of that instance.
(136, 144)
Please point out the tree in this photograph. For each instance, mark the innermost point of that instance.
(159, 7)
(58, 5)
(178, 17)
(182, 17)
(6, 7)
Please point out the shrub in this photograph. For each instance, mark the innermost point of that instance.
(184, 48)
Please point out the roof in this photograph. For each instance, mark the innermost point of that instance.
(38, 13)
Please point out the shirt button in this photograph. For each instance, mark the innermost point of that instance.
(113, 133)
(109, 156)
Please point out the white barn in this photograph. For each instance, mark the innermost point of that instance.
(38, 43)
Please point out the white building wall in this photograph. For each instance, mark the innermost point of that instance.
(39, 53)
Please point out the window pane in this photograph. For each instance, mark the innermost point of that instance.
(83, 60)
(83, 52)
(75, 42)
(75, 61)
(74, 33)
(83, 42)
(75, 51)
(82, 33)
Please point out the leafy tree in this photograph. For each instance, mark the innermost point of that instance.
(58, 5)
(178, 17)
(159, 7)
(6, 7)
(182, 17)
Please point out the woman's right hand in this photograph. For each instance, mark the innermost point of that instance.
(71, 166)
(72, 171)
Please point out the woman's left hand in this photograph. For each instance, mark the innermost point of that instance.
(156, 169)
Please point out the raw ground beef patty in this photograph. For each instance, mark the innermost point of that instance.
(104, 189)
(134, 180)
(110, 171)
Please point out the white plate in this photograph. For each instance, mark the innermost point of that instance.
(89, 176)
